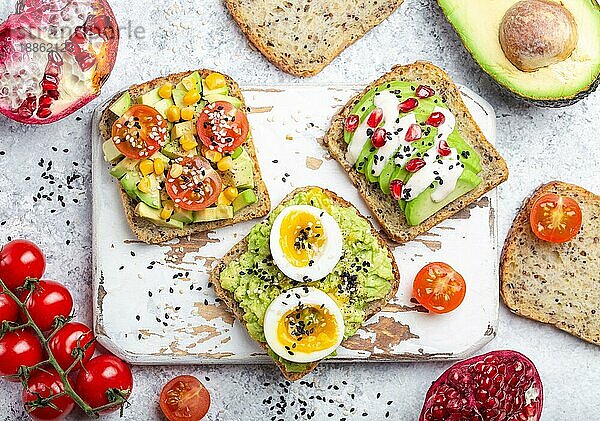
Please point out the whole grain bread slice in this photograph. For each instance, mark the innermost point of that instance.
(151, 233)
(302, 37)
(553, 283)
(383, 206)
(241, 247)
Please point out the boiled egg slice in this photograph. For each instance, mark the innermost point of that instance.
(306, 243)
(303, 325)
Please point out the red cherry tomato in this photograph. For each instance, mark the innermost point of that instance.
(222, 127)
(555, 218)
(49, 300)
(197, 187)
(9, 311)
(71, 336)
(19, 348)
(20, 259)
(43, 384)
(140, 132)
(184, 399)
(439, 288)
(102, 379)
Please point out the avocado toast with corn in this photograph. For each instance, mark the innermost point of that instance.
(182, 151)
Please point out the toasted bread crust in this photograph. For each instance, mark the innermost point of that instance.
(555, 283)
(383, 206)
(240, 248)
(147, 231)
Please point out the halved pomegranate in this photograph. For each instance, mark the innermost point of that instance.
(55, 55)
(497, 386)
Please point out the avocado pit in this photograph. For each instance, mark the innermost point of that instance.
(537, 33)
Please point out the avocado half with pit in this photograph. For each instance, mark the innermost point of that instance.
(545, 51)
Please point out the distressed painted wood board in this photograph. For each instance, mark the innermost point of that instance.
(153, 304)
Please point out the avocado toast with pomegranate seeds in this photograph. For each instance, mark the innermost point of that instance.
(413, 150)
(182, 150)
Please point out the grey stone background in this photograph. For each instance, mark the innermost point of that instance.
(54, 162)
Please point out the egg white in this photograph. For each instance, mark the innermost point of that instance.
(290, 300)
(326, 259)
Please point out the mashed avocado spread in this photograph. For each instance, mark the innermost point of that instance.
(363, 274)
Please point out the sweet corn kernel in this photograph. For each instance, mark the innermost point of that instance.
(159, 167)
(188, 142)
(231, 193)
(223, 200)
(146, 167)
(173, 113)
(166, 91)
(191, 97)
(215, 81)
(225, 164)
(144, 185)
(187, 113)
(213, 156)
(166, 213)
(176, 171)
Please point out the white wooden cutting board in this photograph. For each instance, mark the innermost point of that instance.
(153, 304)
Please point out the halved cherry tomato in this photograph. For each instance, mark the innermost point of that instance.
(71, 336)
(43, 384)
(50, 299)
(184, 399)
(9, 310)
(20, 259)
(198, 186)
(439, 288)
(222, 127)
(555, 218)
(140, 132)
(19, 348)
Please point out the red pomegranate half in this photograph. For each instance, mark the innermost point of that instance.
(55, 55)
(498, 386)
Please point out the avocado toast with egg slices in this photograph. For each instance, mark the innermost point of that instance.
(218, 179)
(413, 150)
(335, 264)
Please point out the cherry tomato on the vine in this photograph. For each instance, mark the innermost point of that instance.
(9, 310)
(71, 336)
(19, 348)
(49, 300)
(43, 384)
(20, 259)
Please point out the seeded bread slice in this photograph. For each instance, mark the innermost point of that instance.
(151, 233)
(383, 206)
(302, 37)
(554, 283)
(241, 247)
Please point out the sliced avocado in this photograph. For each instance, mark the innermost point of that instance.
(152, 198)
(123, 167)
(220, 91)
(129, 182)
(478, 24)
(242, 172)
(185, 216)
(173, 149)
(153, 215)
(111, 153)
(178, 94)
(216, 213)
(246, 198)
(189, 82)
(363, 157)
(151, 98)
(121, 105)
(236, 102)
(422, 207)
(163, 105)
(183, 128)
(239, 150)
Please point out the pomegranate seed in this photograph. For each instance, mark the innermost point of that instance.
(415, 165)
(86, 61)
(72, 48)
(53, 94)
(413, 133)
(24, 111)
(55, 58)
(375, 118)
(408, 105)
(49, 83)
(379, 138)
(45, 101)
(424, 91)
(44, 113)
(351, 123)
(444, 150)
(436, 119)
(78, 37)
(396, 191)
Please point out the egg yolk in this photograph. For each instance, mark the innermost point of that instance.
(300, 238)
(307, 329)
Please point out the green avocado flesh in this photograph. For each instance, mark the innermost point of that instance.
(255, 280)
(149, 205)
(420, 209)
(477, 22)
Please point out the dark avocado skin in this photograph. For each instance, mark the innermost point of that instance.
(546, 103)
